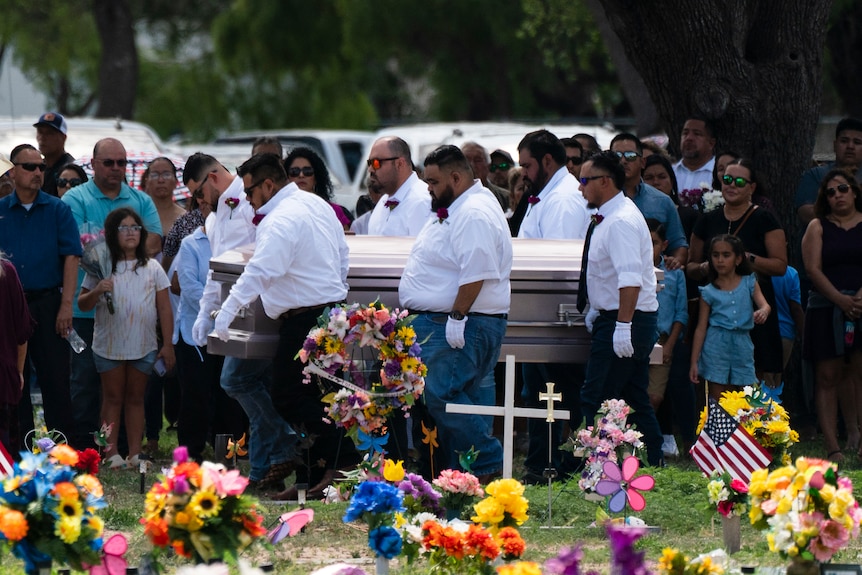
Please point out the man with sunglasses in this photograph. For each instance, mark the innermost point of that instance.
(405, 205)
(574, 156)
(651, 202)
(39, 235)
(51, 135)
(501, 164)
(91, 202)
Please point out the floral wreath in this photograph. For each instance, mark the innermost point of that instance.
(367, 389)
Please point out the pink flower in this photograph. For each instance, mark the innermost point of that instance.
(833, 535)
(725, 508)
(769, 506)
(739, 486)
(181, 454)
(226, 483)
(442, 214)
(533, 200)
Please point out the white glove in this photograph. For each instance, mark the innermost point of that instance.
(222, 323)
(200, 330)
(455, 332)
(623, 339)
(590, 318)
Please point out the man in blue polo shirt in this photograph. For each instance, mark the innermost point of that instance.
(41, 239)
(91, 202)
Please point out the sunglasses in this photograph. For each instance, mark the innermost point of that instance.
(31, 166)
(629, 156)
(375, 163)
(128, 229)
(585, 181)
(502, 166)
(111, 163)
(250, 190)
(576, 160)
(739, 181)
(71, 182)
(843, 188)
(306, 171)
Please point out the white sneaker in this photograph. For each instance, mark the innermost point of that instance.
(669, 446)
(115, 461)
(134, 462)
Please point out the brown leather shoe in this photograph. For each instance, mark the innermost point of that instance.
(274, 478)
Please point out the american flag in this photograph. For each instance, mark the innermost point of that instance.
(6, 461)
(724, 445)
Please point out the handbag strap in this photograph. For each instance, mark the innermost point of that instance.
(747, 215)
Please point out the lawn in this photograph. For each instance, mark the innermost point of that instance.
(676, 505)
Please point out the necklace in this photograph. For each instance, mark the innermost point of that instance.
(730, 222)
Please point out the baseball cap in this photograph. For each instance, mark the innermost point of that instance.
(5, 165)
(52, 119)
(503, 154)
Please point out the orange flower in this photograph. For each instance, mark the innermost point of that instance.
(511, 543)
(65, 455)
(191, 470)
(90, 484)
(65, 490)
(481, 542)
(13, 524)
(180, 548)
(157, 530)
(253, 524)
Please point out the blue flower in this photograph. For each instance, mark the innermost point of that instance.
(373, 497)
(385, 541)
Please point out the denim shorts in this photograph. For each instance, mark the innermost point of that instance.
(144, 364)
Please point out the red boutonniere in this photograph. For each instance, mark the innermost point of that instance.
(231, 203)
(257, 218)
(597, 218)
(391, 204)
(442, 214)
(533, 200)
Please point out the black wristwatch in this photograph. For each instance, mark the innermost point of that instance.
(456, 315)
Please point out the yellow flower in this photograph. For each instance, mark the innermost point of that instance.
(410, 364)
(407, 335)
(65, 455)
(520, 568)
(96, 524)
(665, 562)
(827, 492)
(70, 508)
(701, 422)
(68, 529)
(784, 505)
(758, 482)
(393, 471)
(205, 504)
(489, 511)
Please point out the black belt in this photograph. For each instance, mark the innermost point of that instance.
(300, 310)
(472, 313)
(33, 295)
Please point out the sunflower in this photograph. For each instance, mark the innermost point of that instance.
(68, 529)
(205, 504)
(70, 508)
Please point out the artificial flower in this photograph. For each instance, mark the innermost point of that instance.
(393, 470)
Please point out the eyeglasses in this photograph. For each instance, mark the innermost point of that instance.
(72, 182)
(110, 163)
(306, 171)
(843, 188)
(629, 156)
(128, 229)
(585, 181)
(31, 166)
(375, 163)
(250, 190)
(199, 193)
(739, 181)
(161, 175)
(502, 166)
(576, 160)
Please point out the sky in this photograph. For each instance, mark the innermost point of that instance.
(17, 95)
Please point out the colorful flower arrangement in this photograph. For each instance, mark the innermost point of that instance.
(366, 397)
(458, 547)
(200, 511)
(703, 198)
(674, 562)
(609, 439)
(768, 422)
(48, 510)
(505, 505)
(806, 509)
(420, 496)
(728, 496)
(376, 503)
(460, 490)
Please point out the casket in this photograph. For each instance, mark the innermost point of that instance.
(544, 324)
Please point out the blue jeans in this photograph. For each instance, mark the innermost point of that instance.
(271, 438)
(86, 386)
(462, 376)
(612, 377)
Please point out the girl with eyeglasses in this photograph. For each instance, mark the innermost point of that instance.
(308, 171)
(71, 175)
(832, 253)
(125, 347)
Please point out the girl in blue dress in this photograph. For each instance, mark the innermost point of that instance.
(721, 351)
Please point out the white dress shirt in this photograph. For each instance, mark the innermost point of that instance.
(300, 259)
(408, 217)
(473, 243)
(561, 212)
(692, 179)
(227, 228)
(621, 256)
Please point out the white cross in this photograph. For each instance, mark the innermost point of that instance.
(509, 413)
(549, 397)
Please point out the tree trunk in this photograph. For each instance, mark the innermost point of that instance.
(753, 67)
(118, 68)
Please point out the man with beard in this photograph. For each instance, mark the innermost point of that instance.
(556, 210)
(404, 207)
(697, 145)
(457, 281)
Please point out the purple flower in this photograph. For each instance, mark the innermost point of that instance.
(419, 495)
(181, 486)
(388, 327)
(45, 444)
(623, 555)
(567, 562)
(310, 344)
(415, 350)
(392, 368)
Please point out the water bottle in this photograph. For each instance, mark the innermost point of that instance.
(849, 332)
(78, 344)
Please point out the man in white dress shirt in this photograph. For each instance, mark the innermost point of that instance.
(299, 268)
(697, 147)
(621, 287)
(557, 210)
(405, 207)
(230, 226)
(457, 281)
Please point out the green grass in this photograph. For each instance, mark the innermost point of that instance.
(675, 505)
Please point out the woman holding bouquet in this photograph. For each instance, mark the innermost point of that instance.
(832, 253)
(124, 343)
